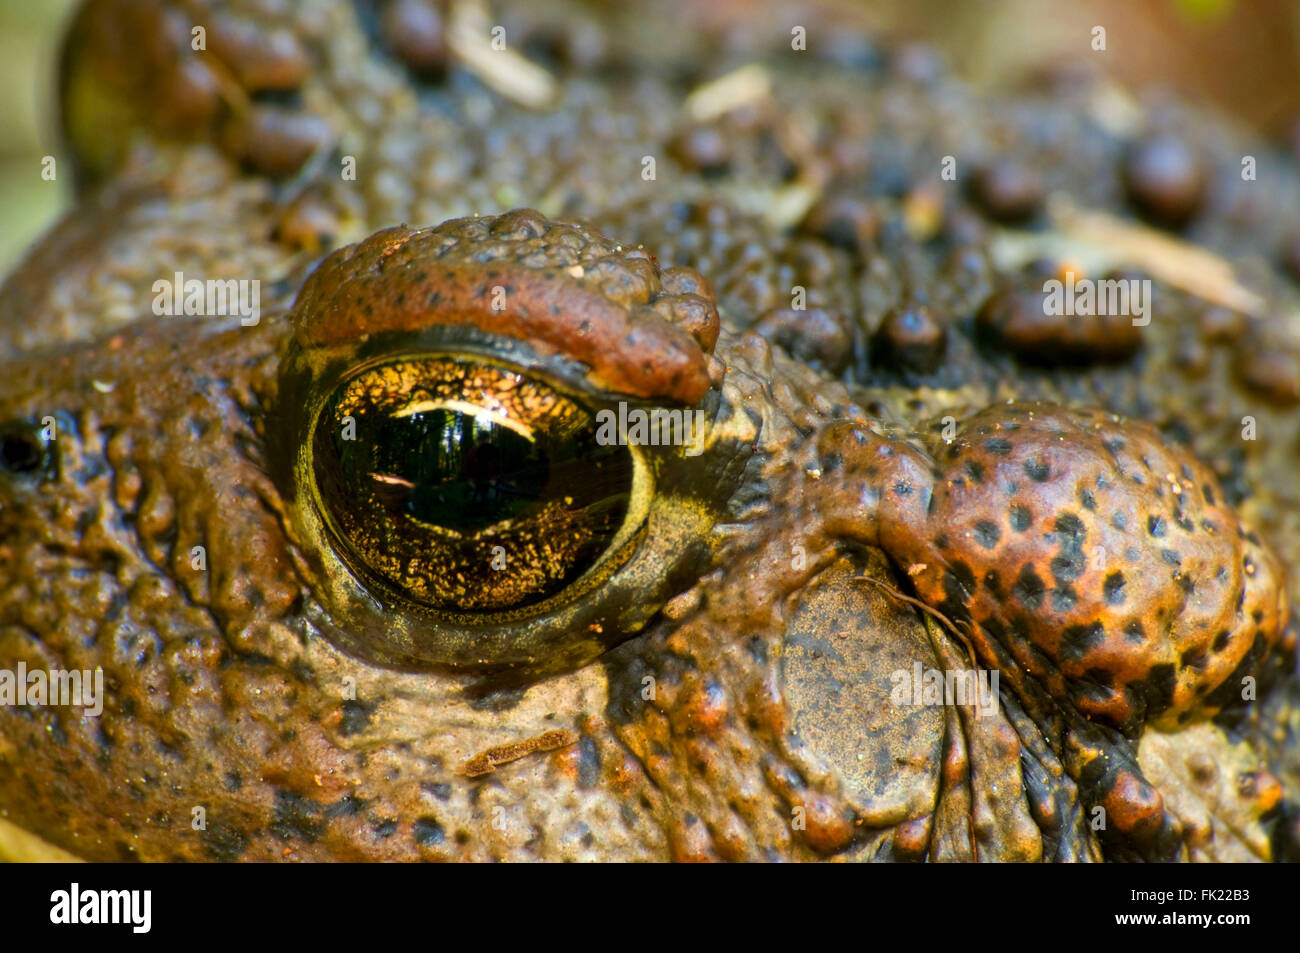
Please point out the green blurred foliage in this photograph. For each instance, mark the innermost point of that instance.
(29, 37)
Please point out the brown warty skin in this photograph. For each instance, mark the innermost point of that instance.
(906, 463)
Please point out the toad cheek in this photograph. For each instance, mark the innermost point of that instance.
(460, 495)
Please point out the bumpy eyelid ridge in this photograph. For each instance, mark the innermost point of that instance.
(393, 282)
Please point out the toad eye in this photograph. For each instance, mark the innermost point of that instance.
(501, 444)
(467, 486)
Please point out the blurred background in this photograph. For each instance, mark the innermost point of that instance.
(1242, 55)
(29, 38)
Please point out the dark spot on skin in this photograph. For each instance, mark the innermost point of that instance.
(588, 763)
(941, 541)
(1207, 492)
(1020, 518)
(1077, 641)
(1119, 521)
(1037, 471)
(1153, 694)
(223, 843)
(1087, 500)
(1171, 557)
(384, 828)
(1229, 691)
(993, 582)
(997, 446)
(1070, 525)
(1093, 688)
(296, 817)
(1100, 677)
(1068, 564)
(115, 607)
(85, 521)
(355, 718)
(1113, 588)
(427, 832)
(439, 789)
(976, 471)
(1221, 641)
(1134, 632)
(959, 583)
(346, 806)
(1028, 588)
(987, 534)
(1193, 658)
(1156, 526)
(1064, 599)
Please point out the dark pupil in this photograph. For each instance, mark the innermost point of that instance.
(450, 469)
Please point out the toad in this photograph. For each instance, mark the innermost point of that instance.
(368, 578)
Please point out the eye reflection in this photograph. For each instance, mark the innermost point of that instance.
(447, 468)
(469, 486)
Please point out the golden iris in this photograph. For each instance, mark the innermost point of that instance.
(467, 485)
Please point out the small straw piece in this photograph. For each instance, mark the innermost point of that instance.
(1095, 241)
(504, 71)
(1194, 269)
(745, 86)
